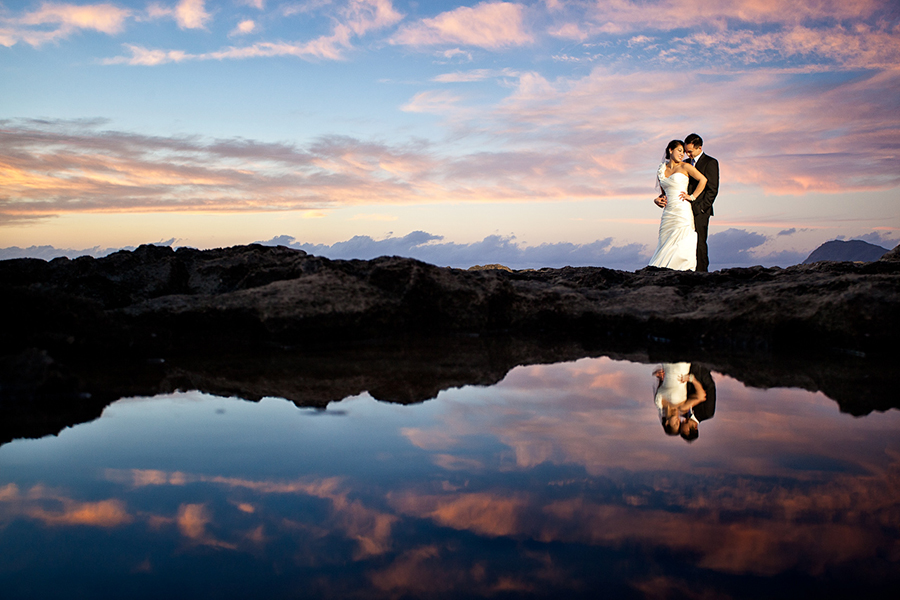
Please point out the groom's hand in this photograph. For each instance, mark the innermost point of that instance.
(660, 201)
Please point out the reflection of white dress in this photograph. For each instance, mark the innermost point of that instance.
(677, 247)
(672, 389)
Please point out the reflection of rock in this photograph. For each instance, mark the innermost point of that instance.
(40, 396)
(159, 300)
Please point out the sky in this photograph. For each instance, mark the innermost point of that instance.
(527, 133)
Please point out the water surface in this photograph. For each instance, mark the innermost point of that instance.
(557, 481)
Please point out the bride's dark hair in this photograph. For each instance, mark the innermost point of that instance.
(672, 145)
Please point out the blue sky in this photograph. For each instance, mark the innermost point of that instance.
(522, 125)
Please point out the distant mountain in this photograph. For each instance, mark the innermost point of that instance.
(851, 250)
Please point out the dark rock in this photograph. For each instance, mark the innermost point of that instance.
(155, 301)
(853, 250)
(892, 255)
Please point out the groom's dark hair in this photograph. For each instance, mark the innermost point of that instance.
(694, 140)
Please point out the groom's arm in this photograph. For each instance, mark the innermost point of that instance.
(706, 199)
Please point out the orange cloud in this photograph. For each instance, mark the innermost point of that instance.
(55, 509)
(483, 513)
(192, 521)
(369, 528)
(491, 25)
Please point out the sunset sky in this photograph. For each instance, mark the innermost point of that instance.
(456, 132)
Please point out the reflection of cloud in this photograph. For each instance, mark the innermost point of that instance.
(105, 513)
(55, 509)
(490, 25)
(457, 463)
(428, 439)
(483, 513)
(192, 522)
(369, 528)
(795, 526)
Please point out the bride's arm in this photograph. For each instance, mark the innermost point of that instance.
(700, 177)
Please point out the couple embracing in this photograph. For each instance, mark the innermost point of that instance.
(689, 181)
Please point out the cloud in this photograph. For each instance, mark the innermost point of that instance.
(858, 48)
(888, 238)
(188, 14)
(741, 248)
(50, 252)
(53, 22)
(492, 249)
(353, 20)
(456, 54)
(244, 27)
(490, 25)
(50, 167)
(432, 101)
(817, 36)
(587, 137)
(474, 75)
(622, 16)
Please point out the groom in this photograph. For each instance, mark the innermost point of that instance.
(702, 206)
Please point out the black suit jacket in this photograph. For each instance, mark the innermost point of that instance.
(702, 206)
(707, 408)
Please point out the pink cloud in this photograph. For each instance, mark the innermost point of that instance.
(188, 14)
(53, 22)
(245, 27)
(491, 25)
(353, 20)
(619, 16)
(862, 47)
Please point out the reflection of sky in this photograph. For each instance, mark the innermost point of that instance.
(538, 484)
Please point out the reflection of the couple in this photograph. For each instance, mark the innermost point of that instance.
(685, 396)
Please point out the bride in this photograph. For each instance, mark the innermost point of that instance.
(677, 247)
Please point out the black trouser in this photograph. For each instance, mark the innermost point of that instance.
(702, 249)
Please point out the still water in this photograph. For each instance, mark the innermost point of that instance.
(559, 481)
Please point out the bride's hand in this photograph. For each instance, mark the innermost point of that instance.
(686, 197)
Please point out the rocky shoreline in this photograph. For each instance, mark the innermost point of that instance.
(258, 321)
(157, 300)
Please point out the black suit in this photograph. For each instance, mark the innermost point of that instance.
(707, 408)
(702, 205)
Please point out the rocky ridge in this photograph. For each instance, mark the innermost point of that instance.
(159, 300)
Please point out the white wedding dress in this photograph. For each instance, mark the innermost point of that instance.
(677, 246)
(672, 389)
